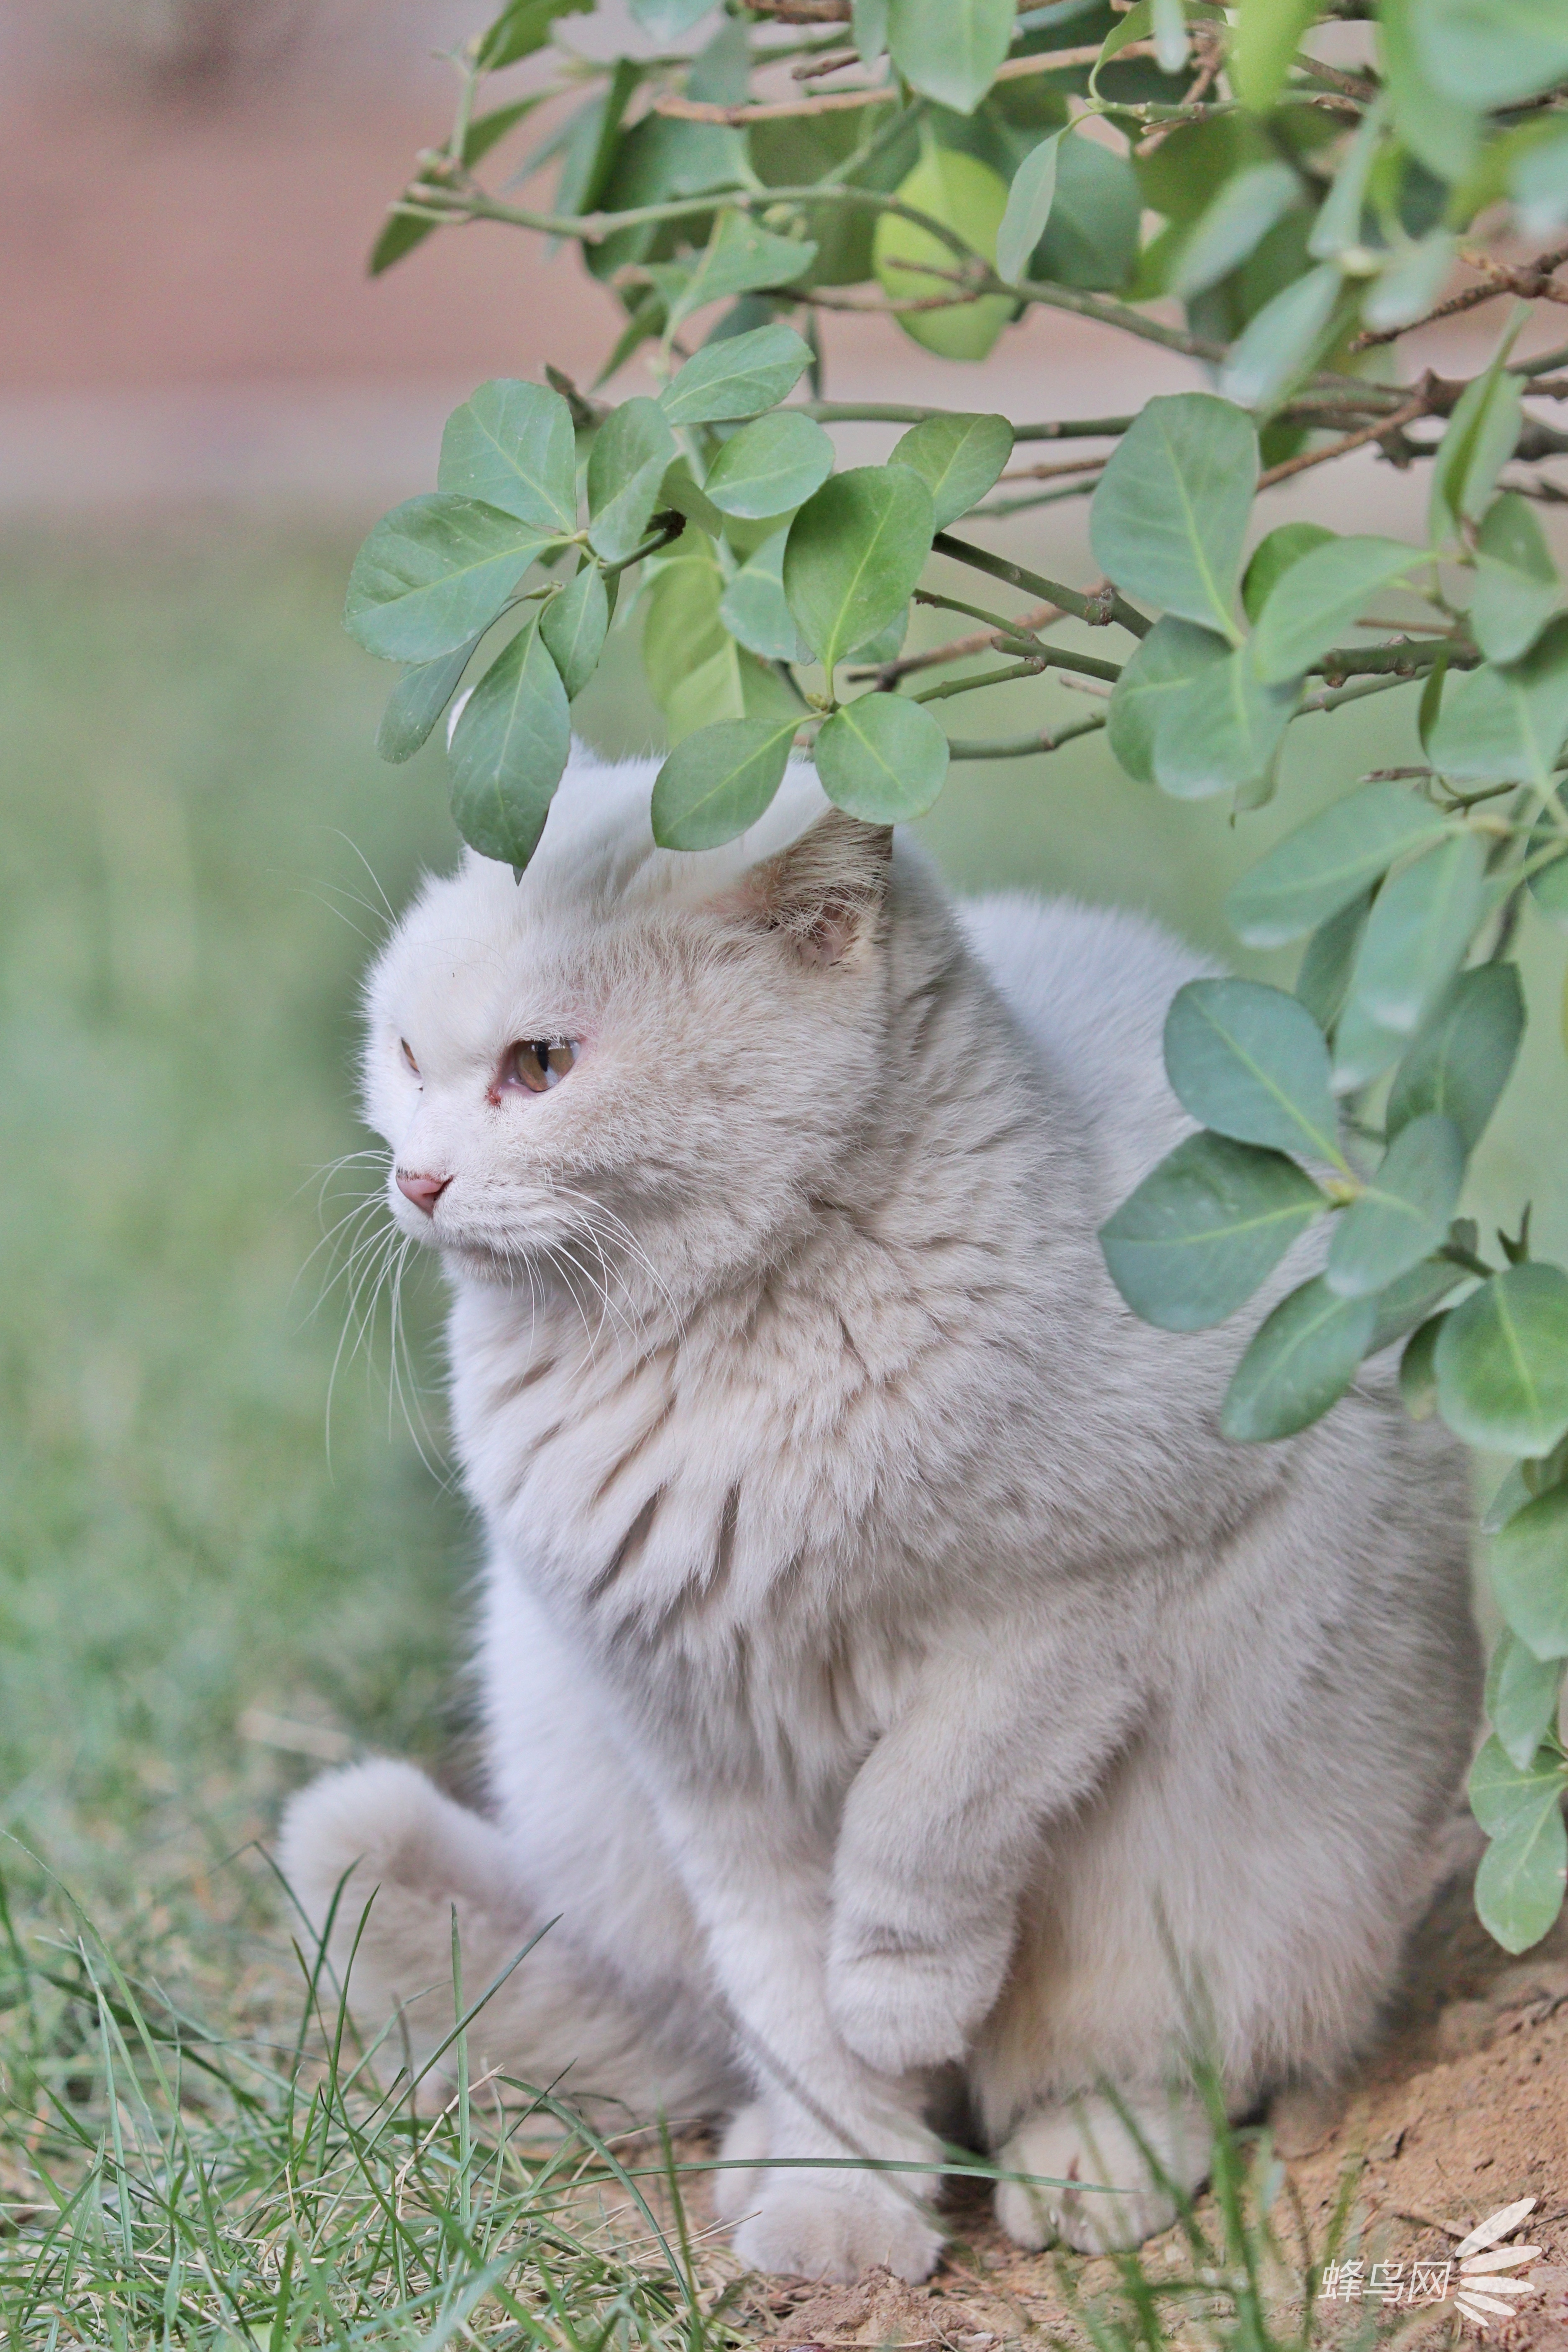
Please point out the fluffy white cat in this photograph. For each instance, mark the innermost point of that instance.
(890, 1676)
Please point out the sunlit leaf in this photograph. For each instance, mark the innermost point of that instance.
(915, 266)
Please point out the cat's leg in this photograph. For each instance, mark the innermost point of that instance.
(745, 2145)
(1135, 2162)
(816, 2205)
(383, 1863)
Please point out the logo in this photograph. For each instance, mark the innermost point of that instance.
(1475, 2278)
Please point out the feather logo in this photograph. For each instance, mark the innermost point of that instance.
(1483, 2290)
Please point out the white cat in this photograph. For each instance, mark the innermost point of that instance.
(888, 1668)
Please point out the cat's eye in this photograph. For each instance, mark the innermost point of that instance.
(539, 1063)
(408, 1061)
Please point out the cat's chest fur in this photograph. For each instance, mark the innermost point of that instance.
(787, 1498)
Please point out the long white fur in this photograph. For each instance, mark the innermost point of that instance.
(890, 1676)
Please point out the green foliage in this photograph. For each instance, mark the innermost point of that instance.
(1300, 218)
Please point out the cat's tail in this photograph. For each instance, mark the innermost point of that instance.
(381, 1865)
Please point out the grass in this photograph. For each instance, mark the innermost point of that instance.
(200, 1597)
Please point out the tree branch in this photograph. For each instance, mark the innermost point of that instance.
(1098, 609)
(1021, 747)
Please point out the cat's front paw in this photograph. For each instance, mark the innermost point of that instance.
(834, 2225)
(1124, 2197)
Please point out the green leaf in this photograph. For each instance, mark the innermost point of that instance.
(1410, 1300)
(1502, 1361)
(1522, 1697)
(754, 610)
(739, 258)
(1304, 1357)
(1489, 53)
(957, 456)
(854, 552)
(626, 468)
(1323, 975)
(1517, 588)
(1282, 341)
(668, 20)
(1161, 669)
(1409, 283)
(1402, 1214)
(1220, 731)
(682, 625)
(1239, 217)
(1329, 861)
(523, 28)
(512, 447)
(1319, 596)
(1338, 230)
(1461, 1061)
(1519, 1885)
(680, 489)
(739, 376)
(915, 265)
(868, 23)
(509, 752)
(1506, 726)
(574, 626)
(1530, 1573)
(1029, 200)
(1267, 35)
(719, 781)
(1416, 937)
(1203, 1229)
(1440, 132)
(882, 757)
(434, 574)
(1478, 442)
(1091, 237)
(1171, 511)
(770, 466)
(1538, 184)
(416, 702)
(950, 50)
(731, 684)
(1417, 1372)
(1250, 1062)
(1272, 558)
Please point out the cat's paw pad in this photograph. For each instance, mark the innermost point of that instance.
(1091, 2185)
(747, 2141)
(838, 2226)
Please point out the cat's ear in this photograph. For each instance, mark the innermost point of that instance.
(826, 892)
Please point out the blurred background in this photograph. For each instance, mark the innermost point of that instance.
(232, 1549)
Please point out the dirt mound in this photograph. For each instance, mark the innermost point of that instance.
(1461, 2108)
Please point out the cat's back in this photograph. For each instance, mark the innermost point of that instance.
(1091, 987)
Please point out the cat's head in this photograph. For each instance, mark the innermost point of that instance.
(631, 1050)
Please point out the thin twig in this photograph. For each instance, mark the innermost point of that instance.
(980, 641)
(1377, 431)
(1048, 473)
(1098, 610)
(1021, 747)
(834, 102)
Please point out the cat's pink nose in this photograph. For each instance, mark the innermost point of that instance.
(422, 1190)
